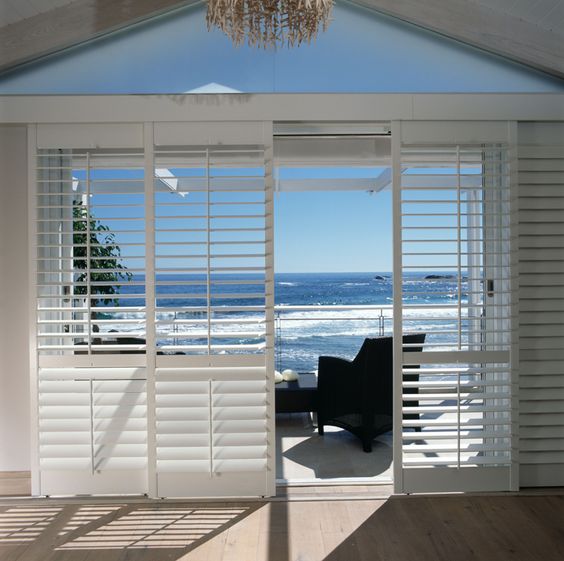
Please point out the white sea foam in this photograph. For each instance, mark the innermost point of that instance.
(312, 321)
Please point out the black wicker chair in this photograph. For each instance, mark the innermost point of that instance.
(357, 395)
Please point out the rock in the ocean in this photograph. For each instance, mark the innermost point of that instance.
(439, 277)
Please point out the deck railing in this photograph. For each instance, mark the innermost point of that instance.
(377, 320)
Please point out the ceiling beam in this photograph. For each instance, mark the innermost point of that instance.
(482, 27)
(75, 23)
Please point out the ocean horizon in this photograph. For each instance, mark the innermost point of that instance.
(304, 335)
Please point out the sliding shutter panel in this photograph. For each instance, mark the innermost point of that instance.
(453, 283)
(541, 303)
(90, 247)
(213, 311)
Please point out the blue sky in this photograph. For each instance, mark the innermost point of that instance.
(323, 231)
(333, 231)
(315, 231)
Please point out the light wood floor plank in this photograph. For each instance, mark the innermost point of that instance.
(416, 528)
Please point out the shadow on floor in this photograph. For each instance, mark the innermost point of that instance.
(468, 528)
(70, 532)
(303, 454)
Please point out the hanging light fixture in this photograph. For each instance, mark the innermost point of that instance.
(270, 23)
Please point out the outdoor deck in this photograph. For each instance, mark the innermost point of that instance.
(303, 455)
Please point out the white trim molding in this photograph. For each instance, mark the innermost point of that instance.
(280, 107)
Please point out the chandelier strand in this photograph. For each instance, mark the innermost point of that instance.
(270, 23)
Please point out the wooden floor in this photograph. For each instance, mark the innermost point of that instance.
(301, 525)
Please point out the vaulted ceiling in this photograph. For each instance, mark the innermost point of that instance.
(526, 31)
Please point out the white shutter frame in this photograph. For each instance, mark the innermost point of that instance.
(453, 132)
(90, 136)
(212, 133)
(99, 393)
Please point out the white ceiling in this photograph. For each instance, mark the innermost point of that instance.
(12, 11)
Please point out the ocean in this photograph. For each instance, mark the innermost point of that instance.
(302, 335)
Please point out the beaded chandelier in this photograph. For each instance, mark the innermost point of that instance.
(269, 23)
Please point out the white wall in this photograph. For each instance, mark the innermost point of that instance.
(14, 333)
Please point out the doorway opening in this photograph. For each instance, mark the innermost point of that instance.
(333, 290)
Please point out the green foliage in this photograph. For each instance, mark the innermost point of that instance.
(105, 257)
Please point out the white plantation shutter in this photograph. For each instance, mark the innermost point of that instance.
(92, 412)
(155, 310)
(213, 278)
(92, 431)
(452, 200)
(541, 303)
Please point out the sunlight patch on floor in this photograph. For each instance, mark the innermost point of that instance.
(156, 528)
(21, 525)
